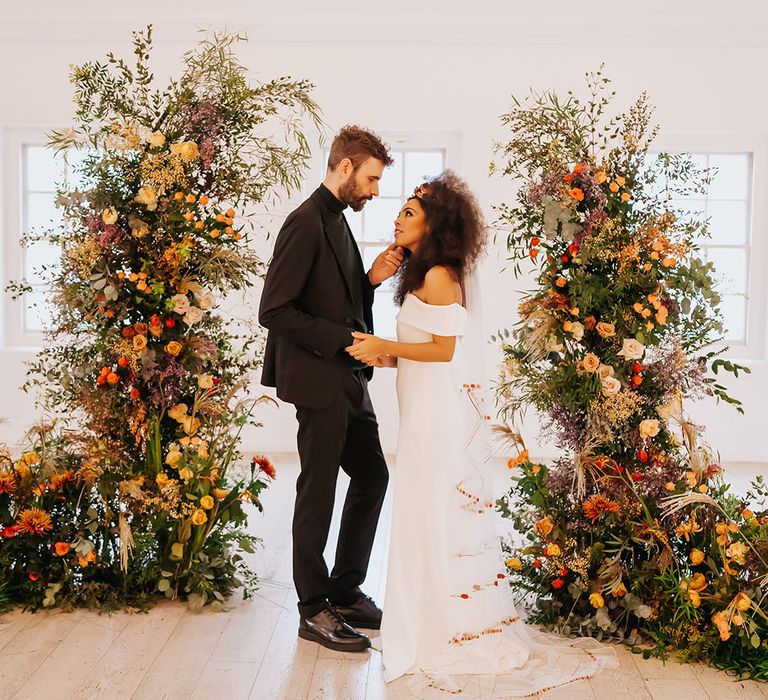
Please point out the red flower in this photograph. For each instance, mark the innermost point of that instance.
(34, 576)
(134, 393)
(568, 178)
(637, 476)
(573, 249)
(533, 252)
(618, 469)
(169, 322)
(558, 583)
(564, 258)
(535, 241)
(537, 563)
(8, 532)
(637, 368)
(564, 571)
(265, 465)
(579, 168)
(642, 455)
(637, 380)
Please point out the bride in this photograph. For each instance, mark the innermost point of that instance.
(448, 617)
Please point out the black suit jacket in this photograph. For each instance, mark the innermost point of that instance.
(307, 307)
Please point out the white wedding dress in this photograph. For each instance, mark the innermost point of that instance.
(449, 620)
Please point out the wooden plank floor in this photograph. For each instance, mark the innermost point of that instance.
(252, 651)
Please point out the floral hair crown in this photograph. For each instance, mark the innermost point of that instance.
(421, 191)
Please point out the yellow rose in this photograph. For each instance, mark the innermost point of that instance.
(199, 517)
(514, 563)
(743, 602)
(619, 590)
(597, 601)
(162, 480)
(697, 556)
(206, 502)
(544, 527)
(148, 197)
(591, 362)
(698, 582)
(173, 458)
(695, 598)
(600, 177)
(205, 381)
(649, 428)
(173, 348)
(186, 474)
(552, 550)
(177, 551)
(178, 411)
(606, 330)
(220, 494)
(109, 215)
(186, 149)
(139, 342)
(190, 424)
(156, 139)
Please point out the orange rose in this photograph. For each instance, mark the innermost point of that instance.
(61, 548)
(577, 193)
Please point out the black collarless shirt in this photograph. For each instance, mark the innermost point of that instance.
(338, 228)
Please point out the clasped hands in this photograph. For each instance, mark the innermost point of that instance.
(368, 349)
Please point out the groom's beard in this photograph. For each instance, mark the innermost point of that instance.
(352, 196)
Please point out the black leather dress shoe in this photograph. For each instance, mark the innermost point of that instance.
(364, 613)
(331, 630)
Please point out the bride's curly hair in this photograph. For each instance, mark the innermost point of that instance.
(456, 232)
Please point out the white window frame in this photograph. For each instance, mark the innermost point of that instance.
(449, 142)
(753, 346)
(14, 140)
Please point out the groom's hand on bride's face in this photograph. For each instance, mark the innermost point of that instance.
(386, 264)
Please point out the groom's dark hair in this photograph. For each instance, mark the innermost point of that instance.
(358, 144)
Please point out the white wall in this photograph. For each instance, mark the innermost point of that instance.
(438, 68)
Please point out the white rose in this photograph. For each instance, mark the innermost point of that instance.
(148, 197)
(552, 345)
(604, 371)
(649, 428)
(109, 215)
(631, 349)
(610, 386)
(156, 139)
(205, 300)
(193, 315)
(577, 330)
(205, 381)
(180, 303)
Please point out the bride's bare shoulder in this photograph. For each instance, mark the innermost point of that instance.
(441, 286)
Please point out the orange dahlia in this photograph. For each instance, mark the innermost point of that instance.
(7, 482)
(60, 479)
(33, 521)
(595, 506)
(265, 465)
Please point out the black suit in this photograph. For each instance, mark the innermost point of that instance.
(316, 292)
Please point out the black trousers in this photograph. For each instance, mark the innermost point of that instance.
(343, 434)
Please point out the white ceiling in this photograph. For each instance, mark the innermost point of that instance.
(653, 23)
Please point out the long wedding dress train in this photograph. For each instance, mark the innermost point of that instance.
(449, 620)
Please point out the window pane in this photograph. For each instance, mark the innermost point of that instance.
(384, 312)
(731, 179)
(37, 254)
(730, 269)
(41, 171)
(41, 213)
(697, 206)
(420, 166)
(379, 222)
(734, 308)
(391, 184)
(37, 313)
(728, 222)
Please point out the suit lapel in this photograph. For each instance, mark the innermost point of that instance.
(335, 245)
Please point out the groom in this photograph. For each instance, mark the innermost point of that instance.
(315, 295)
